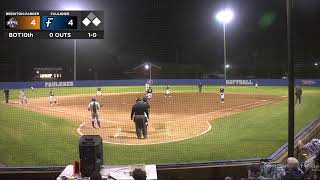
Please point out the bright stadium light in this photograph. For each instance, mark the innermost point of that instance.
(316, 64)
(146, 66)
(225, 16)
(227, 66)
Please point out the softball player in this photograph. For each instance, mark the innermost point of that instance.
(222, 94)
(94, 107)
(99, 93)
(168, 92)
(146, 86)
(23, 97)
(149, 93)
(51, 98)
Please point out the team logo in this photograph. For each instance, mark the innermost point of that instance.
(49, 21)
(12, 23)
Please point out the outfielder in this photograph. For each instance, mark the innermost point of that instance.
(51, 98)
(23, 97)
(298, 93)
(6, 95)
(99, 93)
(168, 92)
(200, 87)
(94, 107)
(222, 94)
(149, 93)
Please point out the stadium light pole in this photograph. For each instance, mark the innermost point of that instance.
(148, 67)
(225, 16)
(73, 6)
(74, 59)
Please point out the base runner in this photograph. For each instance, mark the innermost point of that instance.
(94, 107)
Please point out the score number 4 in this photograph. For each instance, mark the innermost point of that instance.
(33, 22)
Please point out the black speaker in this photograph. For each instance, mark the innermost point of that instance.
(91, 154)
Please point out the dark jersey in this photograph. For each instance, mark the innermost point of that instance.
(139, 109)
(6, 92)
(149, 90)
(200, 85)
(98, 89)
(145, 101)
(298, 91)
(221, 90)
(168, 87)
(51, 93)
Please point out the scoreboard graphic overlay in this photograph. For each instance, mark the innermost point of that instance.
(54, 25)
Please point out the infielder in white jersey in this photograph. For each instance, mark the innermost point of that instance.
(52, 99)
(23, 97)
(94, 107)
(146, 86)
(99, 93)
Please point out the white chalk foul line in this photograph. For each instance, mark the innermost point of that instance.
(182, 139)
(163, 142)
(175, 140)
(51, 109)
(117, 133)
(79, 129)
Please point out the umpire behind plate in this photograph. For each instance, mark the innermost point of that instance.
(140, 116)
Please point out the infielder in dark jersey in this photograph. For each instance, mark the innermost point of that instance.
(222, 94)
(146, 102)
(6, 95)
(140, 114)
(149, 93)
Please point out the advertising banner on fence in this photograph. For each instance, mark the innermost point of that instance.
(141, 82)
(59, 84)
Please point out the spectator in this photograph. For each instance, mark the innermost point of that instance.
(313, 147)
(312, 164)
(139, 174)
(227, 178)
(254, 172)
(292, 170)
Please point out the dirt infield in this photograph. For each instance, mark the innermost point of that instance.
(182, 116)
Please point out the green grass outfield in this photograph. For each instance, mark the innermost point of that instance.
(32, 139)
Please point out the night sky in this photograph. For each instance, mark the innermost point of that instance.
(172, 32)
